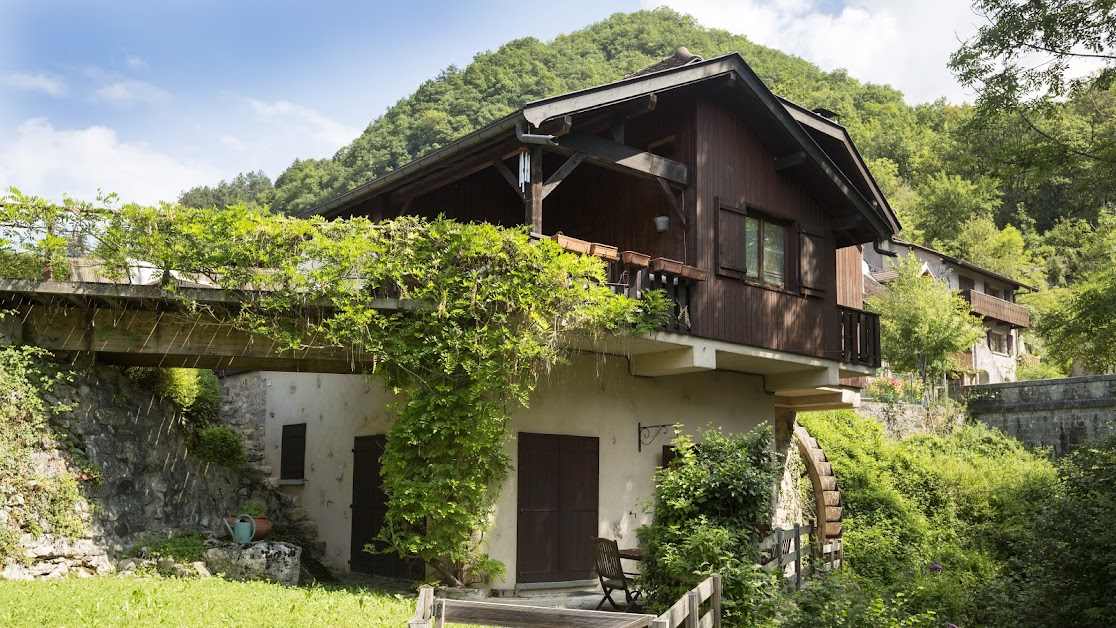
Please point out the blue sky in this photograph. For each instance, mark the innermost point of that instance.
(147, 98)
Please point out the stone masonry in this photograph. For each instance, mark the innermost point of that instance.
(1056, 413)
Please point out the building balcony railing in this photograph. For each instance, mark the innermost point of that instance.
(634, 274)
(997, 309)
(860, 336)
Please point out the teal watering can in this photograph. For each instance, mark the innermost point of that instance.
(243, 529)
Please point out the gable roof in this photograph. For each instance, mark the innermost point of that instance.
(957, 261)
(824, 144)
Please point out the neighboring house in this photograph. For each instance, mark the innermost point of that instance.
(694, 161)
(991, 296)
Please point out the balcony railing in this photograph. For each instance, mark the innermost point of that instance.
(860, 336)
(632, 280)
(998, 309)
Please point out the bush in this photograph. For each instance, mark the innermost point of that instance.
(221, 445)
(1068, 575)
(196, 391)
(181, 548)
(940, 519)
(711, 504)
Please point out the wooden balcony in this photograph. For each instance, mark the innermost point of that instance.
(860, 336)
(632, 279)
(997, 309)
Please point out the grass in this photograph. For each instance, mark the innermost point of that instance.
(113, 601)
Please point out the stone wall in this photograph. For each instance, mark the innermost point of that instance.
(1057, 413)
(900, 420)
(150, 488)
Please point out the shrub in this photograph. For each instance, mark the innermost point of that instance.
(183, 548)
(962, 502)
(221, 445)
(196, 391)
(1068, 575)
(710, 506)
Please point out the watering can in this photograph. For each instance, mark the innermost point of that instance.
(243, 529)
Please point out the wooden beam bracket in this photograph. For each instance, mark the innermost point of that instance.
(509, 176)
(560, 175)
(626, 158)
(672, 199)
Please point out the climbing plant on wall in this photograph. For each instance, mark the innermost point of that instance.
(478, 312)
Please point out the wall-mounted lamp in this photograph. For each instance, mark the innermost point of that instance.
(662, 223)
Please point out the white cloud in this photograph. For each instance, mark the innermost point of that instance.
(128, 93)
(135, 62)
(904, 43)
(46, 83)
(297, 120)
(48, 162)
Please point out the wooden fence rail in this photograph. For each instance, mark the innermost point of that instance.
(784, 547)
(434, 613)
(688, 608)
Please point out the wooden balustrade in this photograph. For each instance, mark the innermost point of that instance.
(998, 309)
(859, 336)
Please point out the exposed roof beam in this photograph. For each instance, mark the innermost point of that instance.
(625, 158)
(791, 160)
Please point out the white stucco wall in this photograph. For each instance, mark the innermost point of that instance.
(593, 396)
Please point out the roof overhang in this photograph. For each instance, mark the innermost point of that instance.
(837, 172)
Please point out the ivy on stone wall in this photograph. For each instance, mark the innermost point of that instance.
(488, 310)
(33, 500)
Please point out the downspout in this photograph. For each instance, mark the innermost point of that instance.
(532, 138)
(875, 246)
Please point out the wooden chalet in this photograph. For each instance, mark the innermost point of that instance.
(691, 176)
(694, 164)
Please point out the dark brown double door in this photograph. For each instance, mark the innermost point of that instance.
(558, 493)
(368, 509)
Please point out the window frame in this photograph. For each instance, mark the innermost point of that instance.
(1006, 343)
(287, 455)
(790, 252)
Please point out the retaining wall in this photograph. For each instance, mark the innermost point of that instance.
(1056, 413)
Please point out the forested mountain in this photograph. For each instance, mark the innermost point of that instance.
(1023, 193)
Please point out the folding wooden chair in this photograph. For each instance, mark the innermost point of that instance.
(613, 578)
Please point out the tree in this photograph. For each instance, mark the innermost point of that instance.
(922, 322)
(1024, 59)
(250, 188)
(946, 201)
(1082, 325)
(1000, 250)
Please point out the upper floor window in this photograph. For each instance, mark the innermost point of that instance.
(965, 283)
(999, 343)
(993, 292)
(756, 247)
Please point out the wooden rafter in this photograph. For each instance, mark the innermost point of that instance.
(617, 156)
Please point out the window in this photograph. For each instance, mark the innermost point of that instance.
(754, 247)
(292, 464)
(998, 342)
(993, 292)
(965, 283)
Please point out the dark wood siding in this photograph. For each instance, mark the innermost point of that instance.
(292, 461)
(733, 167)
(558, 494)
(850, 277)
(368, 509)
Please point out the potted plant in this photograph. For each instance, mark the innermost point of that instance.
(257, 510)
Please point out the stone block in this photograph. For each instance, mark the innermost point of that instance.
(268, 561)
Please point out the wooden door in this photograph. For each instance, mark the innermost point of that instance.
(368, 509)
(558, 493)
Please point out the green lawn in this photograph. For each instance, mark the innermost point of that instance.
(112, 601)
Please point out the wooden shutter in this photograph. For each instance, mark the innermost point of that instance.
(812, 262)
(292, 465)
(730, 240)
